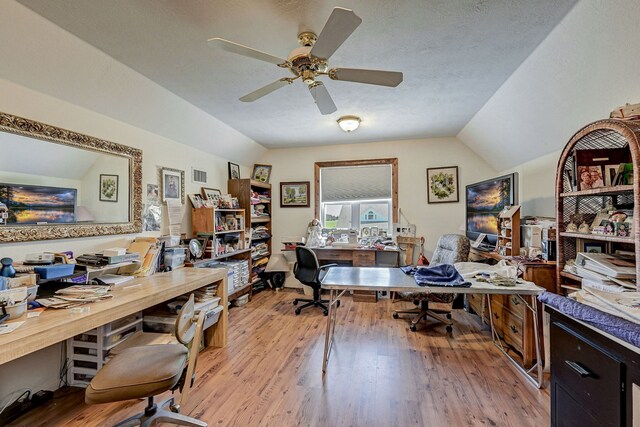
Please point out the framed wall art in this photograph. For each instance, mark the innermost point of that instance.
(442, 185)
(234, 171)
(261, 173)
(108, 188)
(294, 194)
(172, 184)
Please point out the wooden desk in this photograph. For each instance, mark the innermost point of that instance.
(357, 257)
(54, 326)
(341, 279)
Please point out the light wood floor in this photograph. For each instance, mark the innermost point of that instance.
(380, 374)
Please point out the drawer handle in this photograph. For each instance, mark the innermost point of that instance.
(515, 301)
(514, 329)
(577, 368)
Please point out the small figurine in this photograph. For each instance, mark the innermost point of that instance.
(314, 234)
(572, 228)
(584, 228)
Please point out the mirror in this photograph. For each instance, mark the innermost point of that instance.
(56, 183)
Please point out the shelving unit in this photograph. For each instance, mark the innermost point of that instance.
(227, 229)
(243, 189)
(508, 243)
(600, 135)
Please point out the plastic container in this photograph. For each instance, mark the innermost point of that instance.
(159, 323)
(54, 271)
(174, 257)
(16, 310)
(240, 301)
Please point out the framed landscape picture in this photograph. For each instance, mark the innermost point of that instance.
(442, 185)
(108, 188)
(261, 173)
(294, 194)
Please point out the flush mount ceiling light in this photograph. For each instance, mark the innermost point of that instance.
(349, 123)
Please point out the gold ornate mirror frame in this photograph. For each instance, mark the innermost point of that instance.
(30, 128)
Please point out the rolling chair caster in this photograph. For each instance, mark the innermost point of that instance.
(297, 311)
(449, 328)
(338, 304)
(395, 315)
(413, 328)
(325, 312)
(295, 302)
(449, 316)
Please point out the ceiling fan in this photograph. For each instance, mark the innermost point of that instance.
(310, 61)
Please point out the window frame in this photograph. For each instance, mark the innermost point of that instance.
(346, 163)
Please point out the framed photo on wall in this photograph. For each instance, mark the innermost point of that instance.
(172, 184)
(108, 188)
(442, 185)
(234, 171)
(294, 194)
(261, 173)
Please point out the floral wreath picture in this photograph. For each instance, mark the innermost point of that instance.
(442, 185)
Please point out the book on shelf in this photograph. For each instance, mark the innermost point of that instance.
(601, 279)
(617, 266)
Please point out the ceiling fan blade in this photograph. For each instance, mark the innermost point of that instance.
(341, 23)
(244, 50)
(265, 90)
(372, 77)
(322, 98)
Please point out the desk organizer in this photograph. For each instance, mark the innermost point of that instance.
(89, 351)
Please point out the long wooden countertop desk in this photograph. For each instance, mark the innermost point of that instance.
(54, 326)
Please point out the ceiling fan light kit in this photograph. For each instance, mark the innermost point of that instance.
(349, 123)
(309, 61)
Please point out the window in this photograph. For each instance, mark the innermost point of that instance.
(359, 195)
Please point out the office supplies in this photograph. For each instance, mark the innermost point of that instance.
(41, 258)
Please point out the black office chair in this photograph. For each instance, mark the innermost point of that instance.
(309, 272)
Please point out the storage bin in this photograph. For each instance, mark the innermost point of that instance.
(174, 257)
(164, 324)
(54, 271)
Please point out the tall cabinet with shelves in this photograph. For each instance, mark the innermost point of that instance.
(575, 203)
(255, 198)
(226, 230)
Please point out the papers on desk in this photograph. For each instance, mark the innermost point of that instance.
(76, 295)
(7, 328)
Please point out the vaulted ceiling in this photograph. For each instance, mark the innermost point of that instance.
(454, 56)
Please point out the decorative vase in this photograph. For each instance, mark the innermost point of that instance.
(7, 268)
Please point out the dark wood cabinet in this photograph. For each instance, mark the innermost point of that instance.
(592, 375)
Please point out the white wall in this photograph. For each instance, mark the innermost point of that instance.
(414, 157)
(586, 67)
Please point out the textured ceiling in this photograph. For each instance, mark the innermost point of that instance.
(454, 55)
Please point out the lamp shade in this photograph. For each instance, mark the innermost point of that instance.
(349, 123)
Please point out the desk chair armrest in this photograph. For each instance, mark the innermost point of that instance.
(328, 265)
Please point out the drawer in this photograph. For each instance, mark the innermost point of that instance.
(475, 303)
(512, 303)
(364, 258)
(591, 376)
(508, 324)
(332, 255)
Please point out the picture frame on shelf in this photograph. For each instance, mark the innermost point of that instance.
(108, 188)
(610, 173)
(294, 194)
(234, 171)
(261, 173)
(172, 181)
(196, 201)
(442, 185)
(590, 177)
(595, 247)
(211, 195)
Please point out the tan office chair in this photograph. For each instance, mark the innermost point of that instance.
(146, 371)
(451, 248)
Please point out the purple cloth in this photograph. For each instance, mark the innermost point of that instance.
(618, 327)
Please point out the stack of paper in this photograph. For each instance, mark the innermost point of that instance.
(76, 295)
